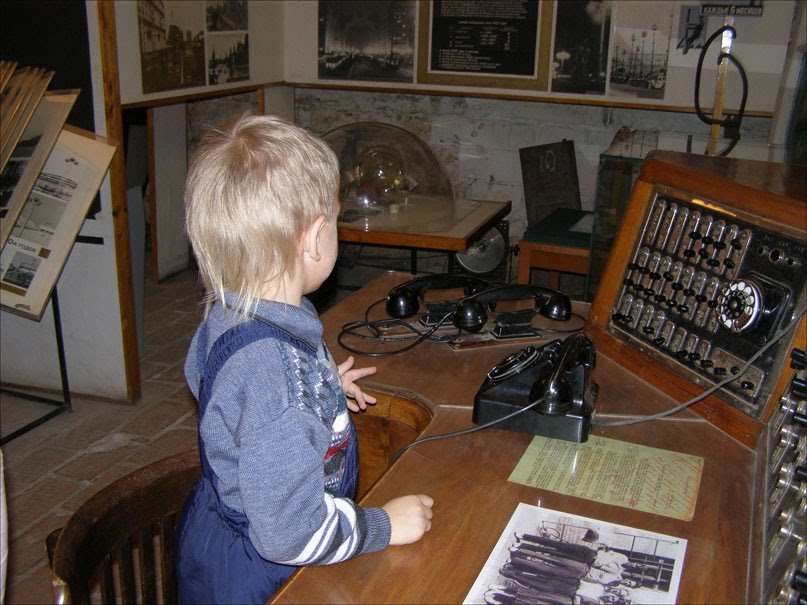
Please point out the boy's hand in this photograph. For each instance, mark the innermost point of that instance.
(410, 518)
(357, 400)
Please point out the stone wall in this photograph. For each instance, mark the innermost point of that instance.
(477, 140)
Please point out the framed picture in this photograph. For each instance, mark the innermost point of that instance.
(491, 44)
(29, 155)
(45, 230)
(19, 101)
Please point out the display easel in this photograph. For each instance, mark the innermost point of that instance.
(54, 188)
(65, 405)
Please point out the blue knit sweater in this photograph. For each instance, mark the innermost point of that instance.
(274, 414)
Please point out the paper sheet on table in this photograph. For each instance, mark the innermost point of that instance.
(614, 472)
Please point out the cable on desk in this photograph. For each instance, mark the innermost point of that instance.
(467, 431)
(776, 338)
(417, 337)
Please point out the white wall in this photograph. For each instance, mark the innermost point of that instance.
(87, 290)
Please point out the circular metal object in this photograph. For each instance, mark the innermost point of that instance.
(485, 254)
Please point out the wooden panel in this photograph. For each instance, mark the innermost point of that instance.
(467, 477)
(760, 193)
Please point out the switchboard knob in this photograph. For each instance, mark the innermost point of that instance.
(740, 305)
(798, 388)
(799, 581)
(798, 359)
(799, 418)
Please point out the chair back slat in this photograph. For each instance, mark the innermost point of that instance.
(168, 573)
(126, 572)
(93, 557)
(107, 581)
(148, 576)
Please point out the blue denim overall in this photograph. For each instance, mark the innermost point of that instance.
(216, 561)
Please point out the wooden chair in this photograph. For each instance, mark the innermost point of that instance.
(114, 539)
(553, 245)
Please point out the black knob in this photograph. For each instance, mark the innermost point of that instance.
(798, 388)
(747, 385)
(799, 580)
(720, 371)
(798, 359)
(799, 419)
(800, 473)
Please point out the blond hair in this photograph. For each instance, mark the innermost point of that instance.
(254, 185)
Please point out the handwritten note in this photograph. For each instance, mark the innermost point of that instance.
(614, 472)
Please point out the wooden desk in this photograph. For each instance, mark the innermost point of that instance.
(450, 228)
(467, 476)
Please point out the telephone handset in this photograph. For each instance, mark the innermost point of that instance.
(470, 313)
(404, 299)
(557, 376)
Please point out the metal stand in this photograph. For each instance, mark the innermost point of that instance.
(61, 406)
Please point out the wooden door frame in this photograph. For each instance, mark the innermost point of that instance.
(117, 180)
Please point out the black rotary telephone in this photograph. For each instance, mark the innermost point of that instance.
(556, 378)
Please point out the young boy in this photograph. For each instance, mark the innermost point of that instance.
(276, 441)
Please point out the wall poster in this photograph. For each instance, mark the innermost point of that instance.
(46, 228)
(360, 40)
(500, 43)
(641, 47)
(580, 49)
(496, 38)
(190, 43)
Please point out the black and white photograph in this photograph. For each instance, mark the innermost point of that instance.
(14, 169)
(691, 29)
(38, 220)
(43, 234)
(546, 556)
(30, 154)
(641, 49)
(226, 15)
(580, 46)
(172, 44)
(227, 57)
(21, 270)
(361, 40)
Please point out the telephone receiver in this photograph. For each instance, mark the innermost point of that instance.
(564, 388)
(404, 299)
(470, 313)
(555, 379)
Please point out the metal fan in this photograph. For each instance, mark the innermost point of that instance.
(485, 254)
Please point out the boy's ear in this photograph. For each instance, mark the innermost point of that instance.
(311, 238)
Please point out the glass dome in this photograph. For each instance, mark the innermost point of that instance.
(383, 166)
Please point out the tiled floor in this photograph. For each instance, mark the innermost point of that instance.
(52, 469)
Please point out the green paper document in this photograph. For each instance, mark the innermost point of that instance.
(614, 472)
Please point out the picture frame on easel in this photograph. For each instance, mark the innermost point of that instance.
(43, 234)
